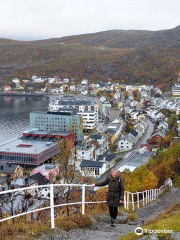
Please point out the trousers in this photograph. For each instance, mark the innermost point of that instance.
(113, 211)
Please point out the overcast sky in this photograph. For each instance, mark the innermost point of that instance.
(39, 19)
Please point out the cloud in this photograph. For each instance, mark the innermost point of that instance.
(39, 19)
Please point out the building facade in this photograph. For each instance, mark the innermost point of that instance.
(28, 152)
(88, 109)
(64, 120)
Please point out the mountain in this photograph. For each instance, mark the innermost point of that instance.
(124, 38)
(128, 56)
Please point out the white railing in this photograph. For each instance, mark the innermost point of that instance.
(144, 197)
(147, 196)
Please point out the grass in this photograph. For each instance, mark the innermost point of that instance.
(176, 180)
(21, 227)
(132, 216)
(169, 220)
(27, 229)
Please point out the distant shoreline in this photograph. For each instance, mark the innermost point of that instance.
(24, 94)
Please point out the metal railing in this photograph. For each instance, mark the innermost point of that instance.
(147, 196)
(144, 197)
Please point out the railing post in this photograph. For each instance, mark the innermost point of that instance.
(52, 205)
(143, 197)
(150, 196)
(154, 194)
(124, 199)
(127, 200)
(170, 182)
(157, 193)
(83, 199)
(138, 200)
(146, 196)
(132, 201)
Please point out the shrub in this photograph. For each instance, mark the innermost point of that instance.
(132, 216)
(66, 223)
(82, 221)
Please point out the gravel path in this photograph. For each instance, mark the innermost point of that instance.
(153, 209)
(101, 229)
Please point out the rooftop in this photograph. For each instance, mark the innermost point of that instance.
(108, 157)
(26, 146)
(139, 159)
(40, 178)
(61, 111)
(88, 163)
(7, 168)
(96, 136)
(45, 167)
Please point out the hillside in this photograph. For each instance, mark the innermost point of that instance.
(131, 56)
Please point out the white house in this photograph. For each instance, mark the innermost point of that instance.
(117, 95)
(86, 152)
(128, 168)
(84, 92)
(72, 87)
(125, 144)
(163, 125)
(103, 142)
(51, 80)
(139, 128)
(84, 82)
(38, 80)
(92, 168)
(65, 80)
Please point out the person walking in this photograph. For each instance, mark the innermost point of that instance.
(115, 194)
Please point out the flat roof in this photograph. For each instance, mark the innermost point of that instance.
(45, 167)
(26, 146)
(59, 133)
(89, 163)
(59, 112)
(139, 159)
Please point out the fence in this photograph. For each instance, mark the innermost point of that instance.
(144, 197)
(147, 196)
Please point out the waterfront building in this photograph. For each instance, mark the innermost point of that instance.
(28, 152)
(87, 108)
(63, 120)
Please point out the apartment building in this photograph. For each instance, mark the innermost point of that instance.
(87, 108)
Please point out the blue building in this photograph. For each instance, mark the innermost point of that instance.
(64, 120)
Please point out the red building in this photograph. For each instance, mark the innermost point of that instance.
(156, 138)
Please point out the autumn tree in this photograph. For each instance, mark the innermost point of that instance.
(67, 161)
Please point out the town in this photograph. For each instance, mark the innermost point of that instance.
(106, 125)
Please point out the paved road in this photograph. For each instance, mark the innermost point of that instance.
(125, 155)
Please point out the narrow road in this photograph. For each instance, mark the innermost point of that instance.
(125, 155)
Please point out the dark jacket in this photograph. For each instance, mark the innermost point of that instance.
(115, 192)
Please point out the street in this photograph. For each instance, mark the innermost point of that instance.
(125, 155)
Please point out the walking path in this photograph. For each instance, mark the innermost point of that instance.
(153, 209)
(101, 229)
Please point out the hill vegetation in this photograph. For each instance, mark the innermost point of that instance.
(125, 56)
(168, 220)
(164, 165)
